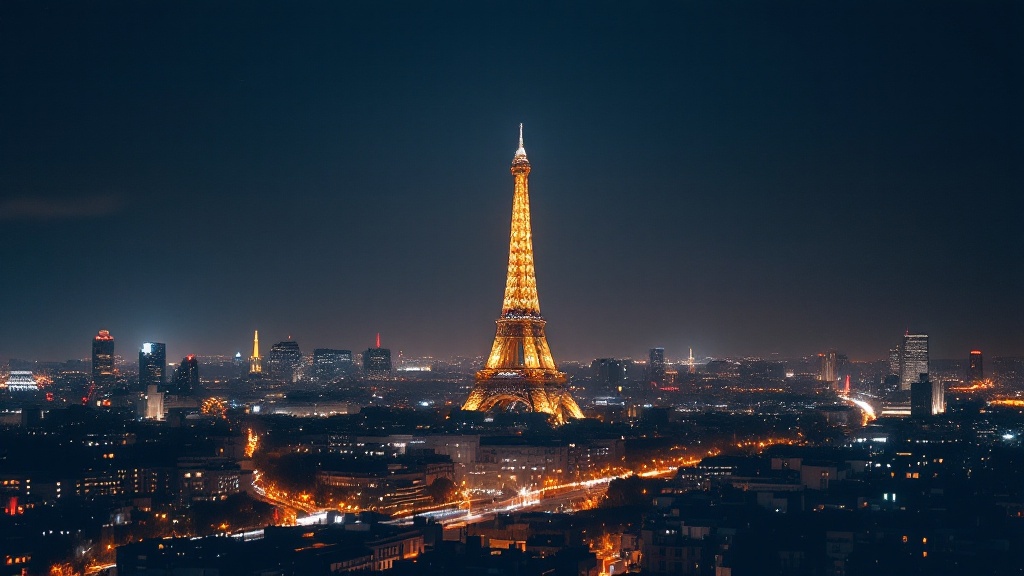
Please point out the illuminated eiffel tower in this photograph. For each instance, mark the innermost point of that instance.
(520, 369)
(255, 362)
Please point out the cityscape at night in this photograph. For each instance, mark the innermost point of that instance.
(254, 324)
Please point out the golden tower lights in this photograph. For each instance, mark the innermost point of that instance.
(520, 368)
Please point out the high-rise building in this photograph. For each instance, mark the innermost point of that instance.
(282, 360)
(186, 377)
(927, 398)
(330, 364)
(152, 364)
(913, 359)
(255, 362)
(377, 361)
(103, 359)
(828, 367)
(520, 368)
(975, 370)
(609, 373)
(894, 359)
(656, 366)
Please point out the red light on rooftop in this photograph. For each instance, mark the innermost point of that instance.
(190, 357)
(975, 351)
(104, 335)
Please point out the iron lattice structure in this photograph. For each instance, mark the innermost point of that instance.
(520, 368)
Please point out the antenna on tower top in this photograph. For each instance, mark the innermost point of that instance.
(378, 339)
(521, 152)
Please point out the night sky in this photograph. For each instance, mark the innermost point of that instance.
(747, 178)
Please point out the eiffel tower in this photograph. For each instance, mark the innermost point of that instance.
(520, 369)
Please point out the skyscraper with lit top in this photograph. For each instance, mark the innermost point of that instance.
(913, 359)
(975, 369)
(103, 359)
(152, 364)
(377, 362)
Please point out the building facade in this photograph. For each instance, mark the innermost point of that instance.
(329, 364)
(377, 363)
(913, 359)
(103, 359)
(186, 377)
(827, 367)
(656, 366)
(975, 369)
(927, 398)
(283, 360)
(152, 364)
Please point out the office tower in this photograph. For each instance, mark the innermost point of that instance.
(975, 371)
(927, 398)
(255, 362)
(894, 359)
(152, 364)
(520, 368)
(330, 364)
(186, 377)
(656, 366)
(913, 359)
(238, 363)
(609, 373)
(282, 360)
(377, 362)
(827, 367)
(103, 359)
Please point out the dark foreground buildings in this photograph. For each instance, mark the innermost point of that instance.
(344, 544)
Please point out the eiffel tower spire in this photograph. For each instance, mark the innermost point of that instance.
(520, 368)
(521, 283)
(255, 362)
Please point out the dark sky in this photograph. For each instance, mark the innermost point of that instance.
(740, 177)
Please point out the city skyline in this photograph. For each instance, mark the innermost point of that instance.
(745, 184)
